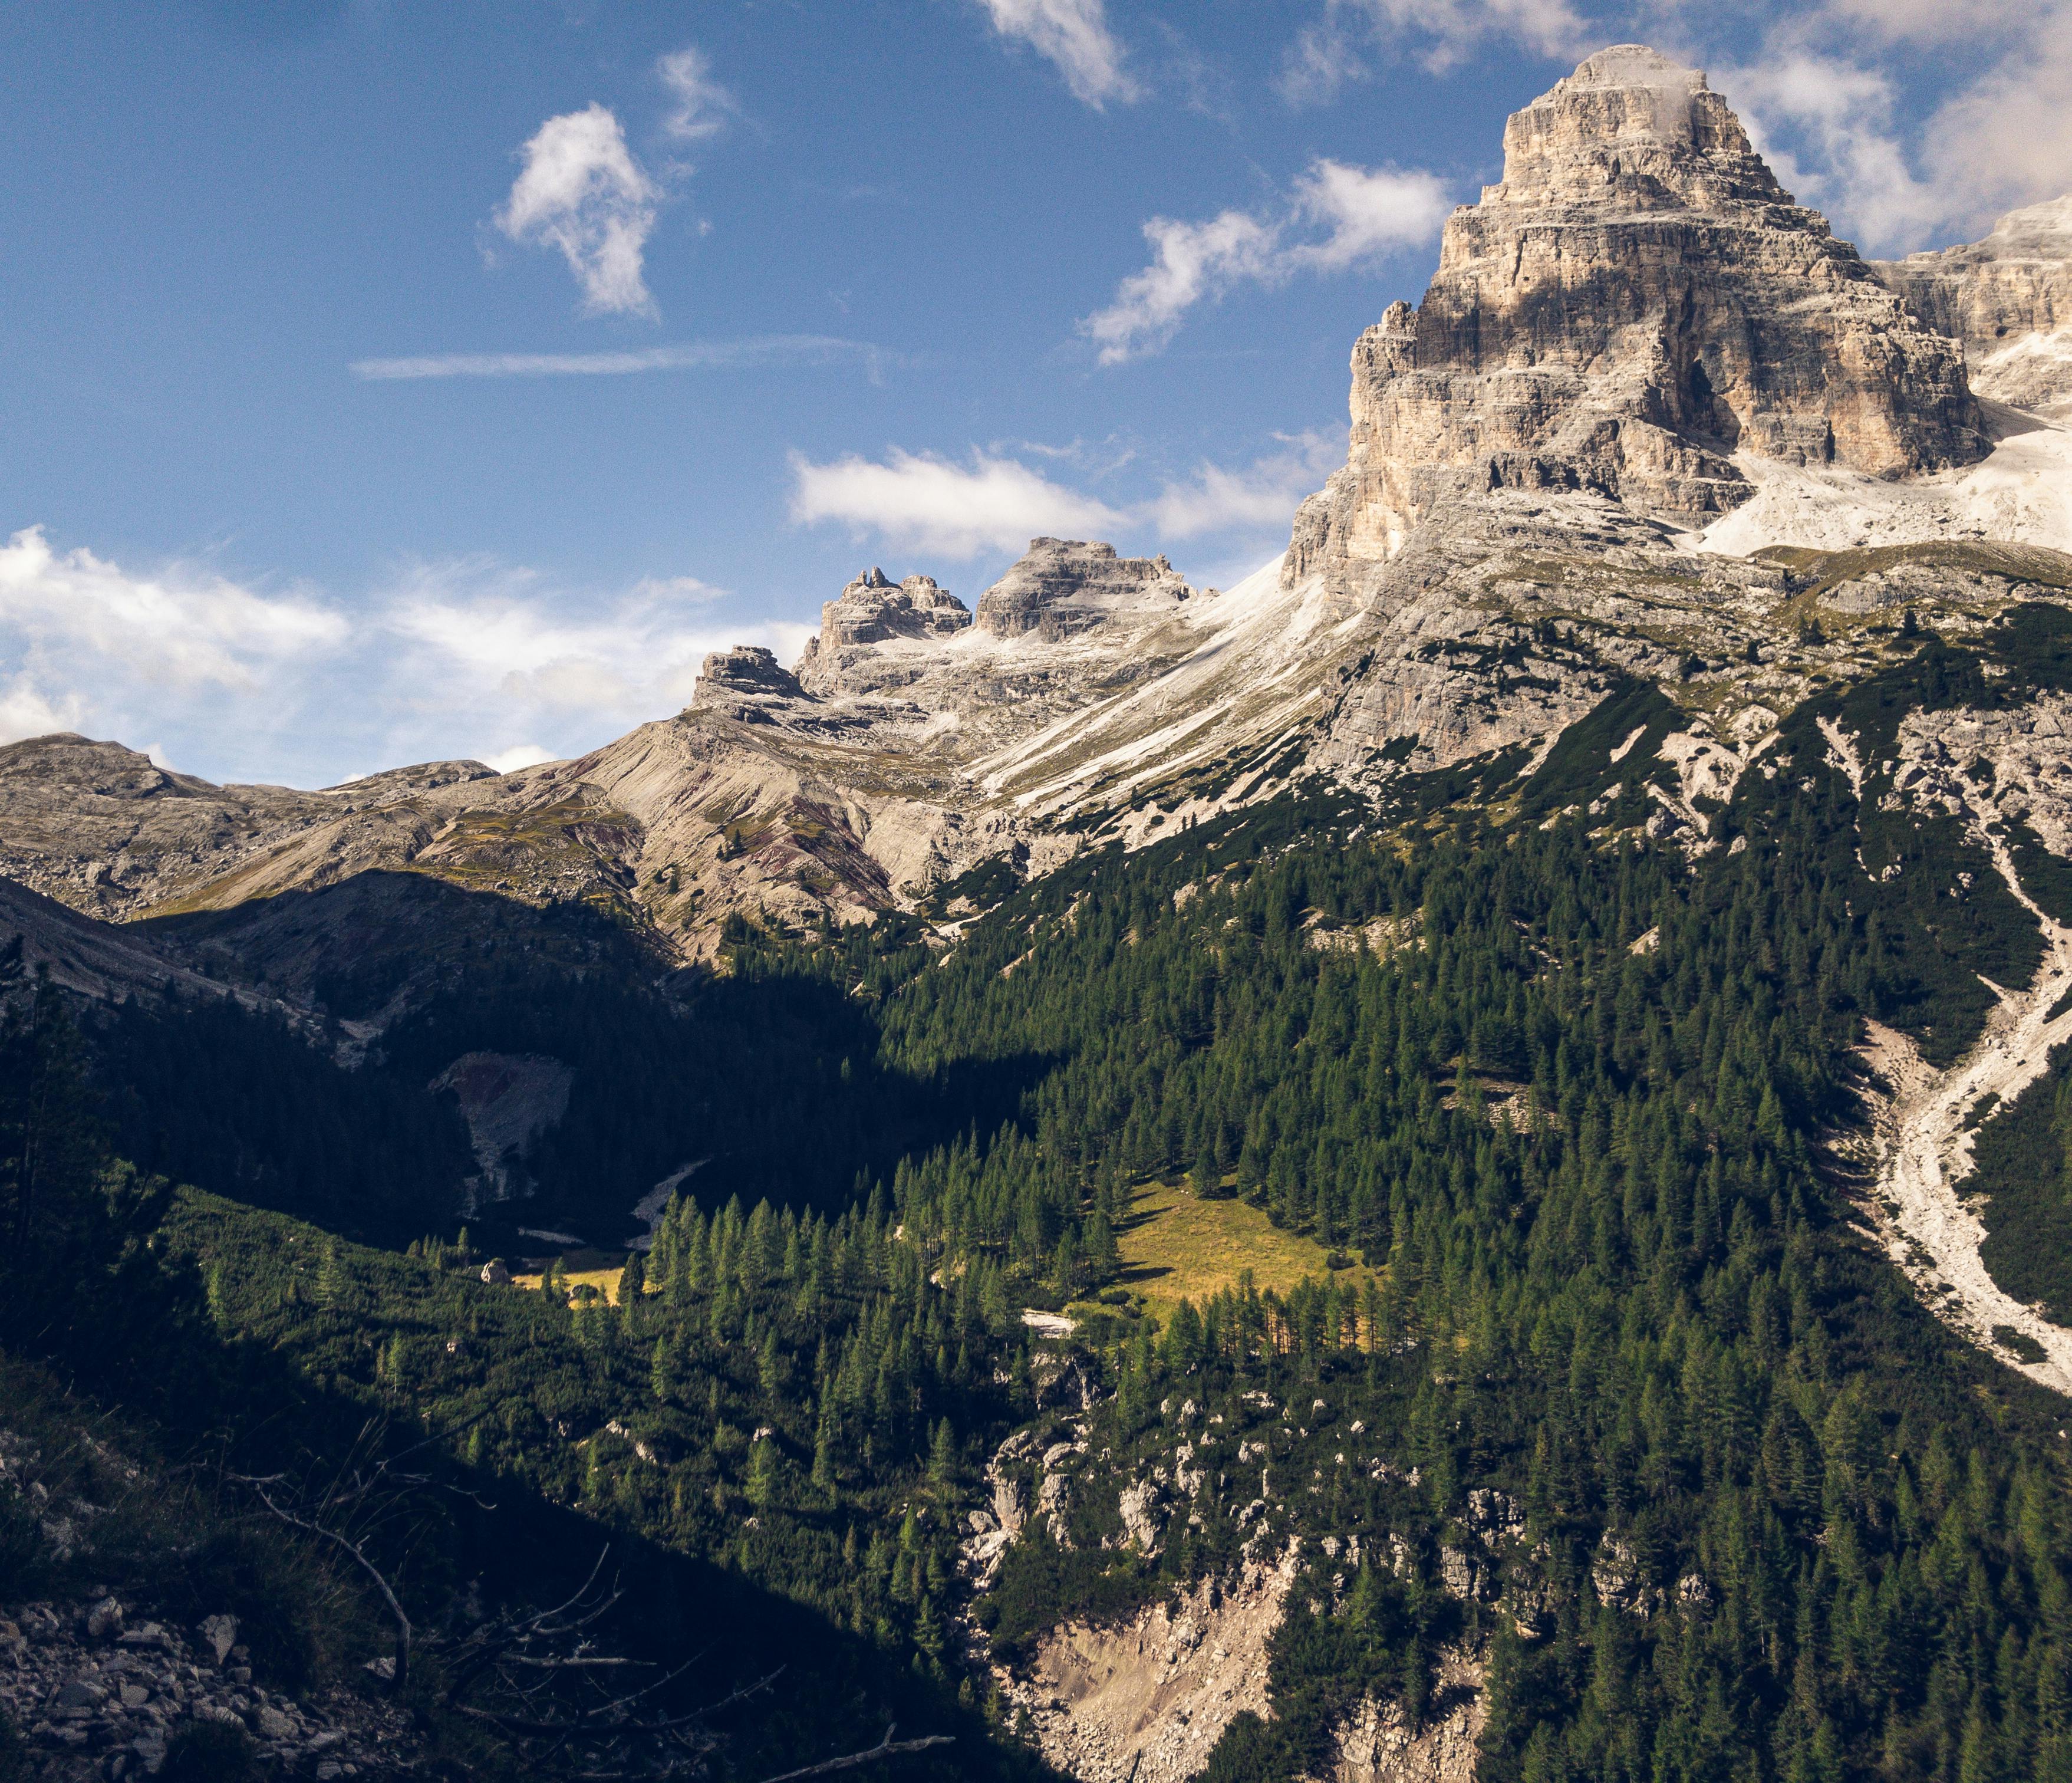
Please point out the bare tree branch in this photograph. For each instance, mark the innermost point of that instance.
(885, 1748)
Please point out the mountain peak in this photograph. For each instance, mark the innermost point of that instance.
(1637, 303)
(1633, 124)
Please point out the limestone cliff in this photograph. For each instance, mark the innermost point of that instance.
(1064, 586)
(1640, 371)
(1636, 301)
(2008, 299)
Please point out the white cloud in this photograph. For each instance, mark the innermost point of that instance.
(755, 350)
(1361, 214)
(1832, 120)
(451, 659)
(581, 191)
(1442, 33)
(1075, 35)
(1265, 494)
(1189, 261)
(918, 501)
(493, 636)
(2006, 139)
(521, 755)
(27, 710)
(702, 107)
(929, 504)
(181, 630)
(1368, 213)
(1826, 127)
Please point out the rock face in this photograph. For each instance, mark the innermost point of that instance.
(1638, 300)
(1376, 1744)
(1066, 586)
(1146, 1701)
(509, 1100)
(739, 680)
(873, 608)
(2008, 299)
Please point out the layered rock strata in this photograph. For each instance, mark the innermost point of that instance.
(1636, 302)
(2008, 299)
(1064, 586)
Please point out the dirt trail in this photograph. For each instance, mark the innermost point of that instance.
(1923, 1149)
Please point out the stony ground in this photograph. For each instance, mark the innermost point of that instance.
(99, 1689)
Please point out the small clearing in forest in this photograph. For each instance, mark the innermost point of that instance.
(1175, 1246)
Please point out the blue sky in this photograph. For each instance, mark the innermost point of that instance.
(384, 382)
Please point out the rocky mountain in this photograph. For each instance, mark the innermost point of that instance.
(2008, 299)
(1636, 302)
(1640, 371)
(1664, 512)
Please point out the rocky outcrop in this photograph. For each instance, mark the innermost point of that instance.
(105, 829)
(1146, 1701)
(1064, 586)
(103, 1685)
(1637, 301)
(2008, 299)
(41, 937)
(1379, 1744)
(742, 682)
(507, 1100)
(872, 610)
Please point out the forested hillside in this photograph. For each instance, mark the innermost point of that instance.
(1628, 1407)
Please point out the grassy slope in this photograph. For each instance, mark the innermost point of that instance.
(1174, 1246)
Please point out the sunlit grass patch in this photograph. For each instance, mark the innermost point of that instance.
(1174, 1246)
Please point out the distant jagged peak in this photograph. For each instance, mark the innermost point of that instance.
(2035, 231)
(873, 607)
(741, 682)
(2008, 299)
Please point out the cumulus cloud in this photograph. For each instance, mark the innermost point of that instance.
(465, 657)
(1075, 36)
(1264, 494)
(1830, 113)
(1826, 126)
(518, 756)
(1337, 217)
(919, 501)
(1189, 261)
(184, 630)
(580, 191)
(508, 650)
(702, 107)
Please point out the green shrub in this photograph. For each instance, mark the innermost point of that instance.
(23, 1558)
(211, 1751)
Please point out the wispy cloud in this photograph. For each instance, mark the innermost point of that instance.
(752, 351)
(1826, 97)
(580, 190)
(1344, 45)
(924, 502)
(182, 628)
(1075, 36)
(1262, 494)
(460, 658)
(702, 107)
(1336, 217)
